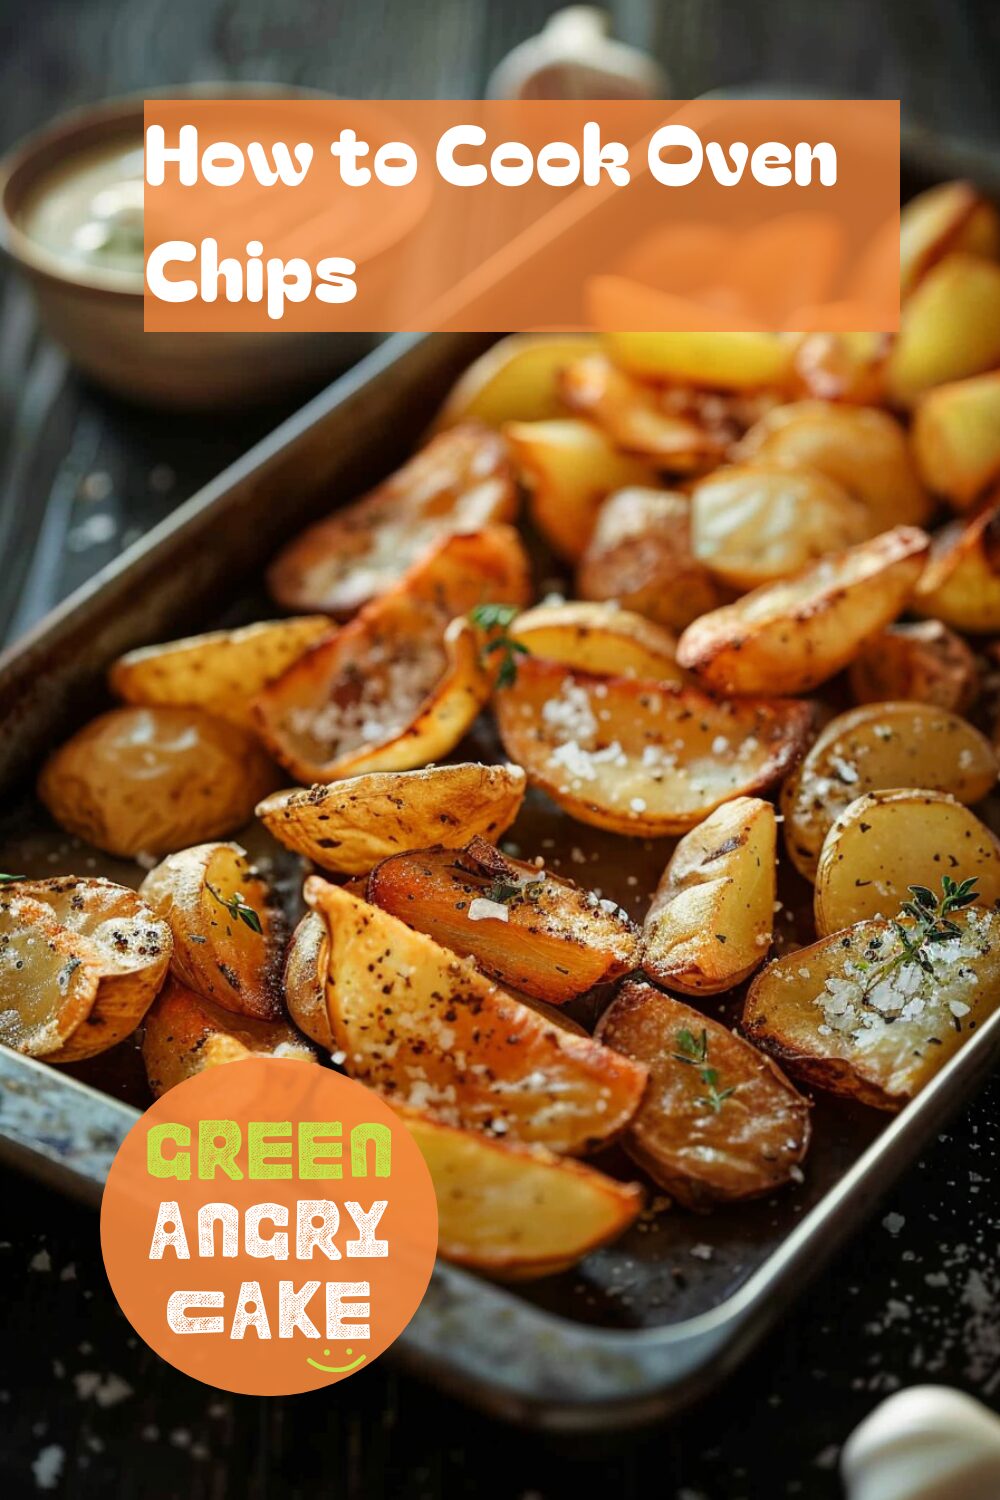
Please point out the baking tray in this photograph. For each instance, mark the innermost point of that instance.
(641, 1328)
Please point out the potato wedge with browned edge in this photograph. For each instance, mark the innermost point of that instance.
(517, 1212)
(640, 557)
(49, 978)
(304, 983)
(600, 639)
(876, 746)
(922, 662)
(949, 328)
(961, 582)
(848, 367)
(710, 922)
(526, 928)
(956, 438)
(887, 841)
(850, 1015)
(949, 216)
(150, 780)
(461, 481)
(120, 936)
(789, 637)
(350, 825)
(641, 757)
(186, 1033)
(754, 523)
(400, 685)
(741, 361)
(228, 929)
(859, 447)
(516, 380)
(719, 1122)
(569, 468)
(427, 1029)
(221, 672)
(636, 418)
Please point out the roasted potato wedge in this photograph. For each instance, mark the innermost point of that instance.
(640, 556)
(228, 930)
(352, 824)
(306, 965)
(788, 637)
(641, 757)
(719, 1122)
(49, 978)
(923, 663)
(860, 448)
(961, 583)
(887, 841)
(949, 328)
(526, 928)
(399, 685)
(636, 418)
(843, 366)
(123, 939)
(516, 380)
(876, 746)
(956, 438)
(517, 1211)
(186, 1033)
(461, 481)
(221, 672)
(847, 1014)
(710, 922)
(949, 216)
(427, 1029)
(755, 523)
(600, 639)
(568, 468)
(150, 780)
(721, 361)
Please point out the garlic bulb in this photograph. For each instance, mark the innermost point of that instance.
(574, 56)
(925, 1443)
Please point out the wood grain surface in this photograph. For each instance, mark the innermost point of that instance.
(84, 1409)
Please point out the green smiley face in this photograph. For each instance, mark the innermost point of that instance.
(338, 1369)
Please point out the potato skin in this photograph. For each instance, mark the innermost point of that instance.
(782, 1015)
(126, 942)
(460, 481)
(875, 746)
(349, 825)
(427, 1029)
(961, 582)
(555, 942)
(151, 780)
(750, 1145)
(923, 662)
(186, 1033)
(214, 953)
(516, 1212)
(788, 637)
(640, 555)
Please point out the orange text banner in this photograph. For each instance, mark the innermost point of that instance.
(426, 215)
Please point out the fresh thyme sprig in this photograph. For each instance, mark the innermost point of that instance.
(931, 916)
(498, 617)
(238, 908)
(694, 1053)
(10, 879)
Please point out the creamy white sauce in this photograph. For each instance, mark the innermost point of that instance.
(87, 212)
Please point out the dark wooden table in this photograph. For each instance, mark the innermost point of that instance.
(85, 1410)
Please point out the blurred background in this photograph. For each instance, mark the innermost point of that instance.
(85, 1410)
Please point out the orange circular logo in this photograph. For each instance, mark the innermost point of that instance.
(269, 1227)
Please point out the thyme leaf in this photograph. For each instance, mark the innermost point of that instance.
(498, 618)
(238, 908)
(694, 1053)
(931, 918)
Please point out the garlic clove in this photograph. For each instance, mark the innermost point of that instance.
(574, 56)
(925, 1443)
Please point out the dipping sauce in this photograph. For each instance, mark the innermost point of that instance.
(87, 212)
